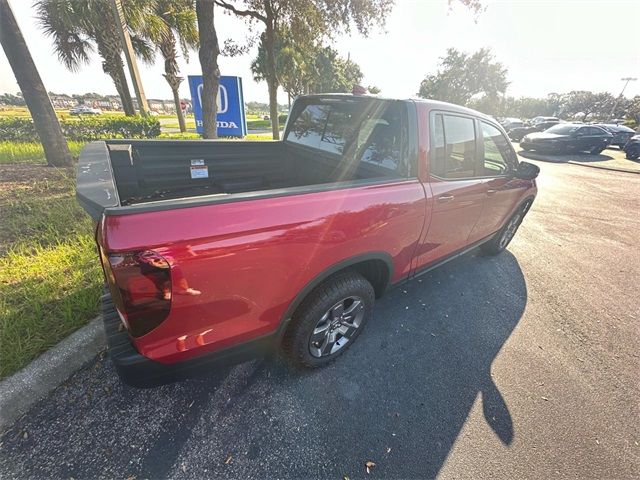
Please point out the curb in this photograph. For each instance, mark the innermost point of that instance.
(602, 167)
(20, 391)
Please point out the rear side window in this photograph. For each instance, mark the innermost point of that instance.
(365, 133)
(498, 157)
(454, 147)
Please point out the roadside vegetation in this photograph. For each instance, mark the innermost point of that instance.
(30, 152)
(50, 281)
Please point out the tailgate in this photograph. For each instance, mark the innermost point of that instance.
(95, 183)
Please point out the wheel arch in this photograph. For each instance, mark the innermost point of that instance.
(376, 267)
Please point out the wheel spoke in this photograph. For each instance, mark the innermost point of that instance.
(327, 346)
(355, 306)
(337, 311)
(319, 333)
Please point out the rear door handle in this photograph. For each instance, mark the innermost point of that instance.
(445, 198)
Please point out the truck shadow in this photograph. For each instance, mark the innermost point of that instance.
(411, 380)
(408, 384)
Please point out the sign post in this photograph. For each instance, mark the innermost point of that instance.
(231, 120)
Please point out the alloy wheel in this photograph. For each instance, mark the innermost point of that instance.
(336, 327)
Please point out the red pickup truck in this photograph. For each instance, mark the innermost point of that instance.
(216, 252)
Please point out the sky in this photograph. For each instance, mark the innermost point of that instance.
(546, 45)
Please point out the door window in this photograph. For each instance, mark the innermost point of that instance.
(498, 156)
(454, 147)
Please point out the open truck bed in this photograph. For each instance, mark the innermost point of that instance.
(132, 175)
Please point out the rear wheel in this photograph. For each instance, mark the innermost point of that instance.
(501, 239)
(596, 150)
(525, 147)
(633, 153)
(329, 320)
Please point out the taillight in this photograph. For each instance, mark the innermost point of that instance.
(140, 285)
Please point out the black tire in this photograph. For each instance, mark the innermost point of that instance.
(633, 153)
(596, 150)
(297, 343)
(525, 147)
(499, 242)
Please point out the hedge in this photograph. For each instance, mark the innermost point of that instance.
(83, 129)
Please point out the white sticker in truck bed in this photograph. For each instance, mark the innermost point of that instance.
(199, 169)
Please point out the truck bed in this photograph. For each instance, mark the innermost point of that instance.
(120, 173)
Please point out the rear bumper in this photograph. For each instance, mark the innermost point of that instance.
(139, 371)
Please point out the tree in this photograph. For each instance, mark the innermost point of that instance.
(462, 77)
(582, 104)
(35, 95)
(303, 21)
(208, 54)
(79, 27)
(174, 22)
(308, 68)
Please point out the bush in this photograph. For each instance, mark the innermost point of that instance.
(83, 129)
(282, 117)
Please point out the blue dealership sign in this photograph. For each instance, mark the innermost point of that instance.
(231, 119)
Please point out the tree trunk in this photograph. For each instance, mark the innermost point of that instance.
(272, 78)
(176, 100)
(168, 50)
(208, 54)
(122, 87)
(35, 95)
(109, 50)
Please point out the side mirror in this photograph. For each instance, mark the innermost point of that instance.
(527, 171)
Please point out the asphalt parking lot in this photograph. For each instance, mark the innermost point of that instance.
(524, 365)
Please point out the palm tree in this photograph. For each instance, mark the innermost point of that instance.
(79, 27)
(173, 21)
(35, 95)
(208, 54)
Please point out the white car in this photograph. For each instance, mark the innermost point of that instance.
(85, 110)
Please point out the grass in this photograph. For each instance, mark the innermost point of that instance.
(30, 152)
(50, 276)
(50, 280)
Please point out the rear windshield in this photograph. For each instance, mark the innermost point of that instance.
(367, 130)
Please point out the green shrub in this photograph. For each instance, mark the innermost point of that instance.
(83, 128)
(282, 118)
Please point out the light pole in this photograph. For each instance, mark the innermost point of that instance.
(130, 56)
(615, 105)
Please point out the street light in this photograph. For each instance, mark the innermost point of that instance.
(615, 105)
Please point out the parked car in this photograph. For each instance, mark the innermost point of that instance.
(85, 110)
(540, 119)
(632, 148)
(516, 134)
(215, 252)
(510, 123)
(568, 137)
(621, 134)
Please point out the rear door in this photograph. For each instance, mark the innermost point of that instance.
(498, 164)
(457, 191)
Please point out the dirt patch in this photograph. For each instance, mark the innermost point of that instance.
(19, 180)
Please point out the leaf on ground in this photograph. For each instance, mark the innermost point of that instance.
(228, 460)
(545, 399)
(388, 449)
(369, 465)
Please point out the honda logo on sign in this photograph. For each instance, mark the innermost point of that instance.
(222, 101)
